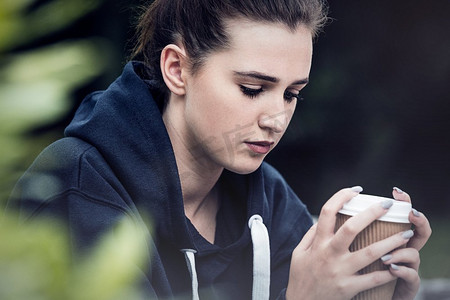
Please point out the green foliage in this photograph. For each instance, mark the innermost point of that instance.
(36, 263)
(19, 26)
(36, 85)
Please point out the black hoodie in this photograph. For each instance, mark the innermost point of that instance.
(117, 160)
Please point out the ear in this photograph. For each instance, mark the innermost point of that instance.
(172, 64)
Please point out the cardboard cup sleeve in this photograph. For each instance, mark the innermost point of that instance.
(394, 221)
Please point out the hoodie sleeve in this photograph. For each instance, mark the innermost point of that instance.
(68, 182)
(290, 220)
(63, 184)
(287, 231)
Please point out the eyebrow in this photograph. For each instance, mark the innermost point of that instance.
(261, 76)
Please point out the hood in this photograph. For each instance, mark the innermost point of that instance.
(125, 124)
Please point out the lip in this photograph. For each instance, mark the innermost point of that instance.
(260, 147)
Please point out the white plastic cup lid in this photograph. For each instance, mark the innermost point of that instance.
(397, 213)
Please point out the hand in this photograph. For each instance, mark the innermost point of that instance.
(322, 266)
(406, 261)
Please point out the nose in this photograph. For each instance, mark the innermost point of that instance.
(276, 122)
(275, 114)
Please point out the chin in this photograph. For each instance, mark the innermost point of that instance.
(246, 167)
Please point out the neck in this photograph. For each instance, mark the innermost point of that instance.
(197, 176)
(199, 194)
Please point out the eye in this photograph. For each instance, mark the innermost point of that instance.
(290, 96)
(250, 92)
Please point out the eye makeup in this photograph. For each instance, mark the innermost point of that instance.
(289, 96)
(253, 92)
(250, 92)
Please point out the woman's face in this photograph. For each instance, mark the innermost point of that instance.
(240, 102)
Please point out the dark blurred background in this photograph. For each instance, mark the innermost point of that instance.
(376, 111)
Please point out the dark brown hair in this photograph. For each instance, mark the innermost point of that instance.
(199, 25)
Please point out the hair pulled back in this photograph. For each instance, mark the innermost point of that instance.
(199, 25)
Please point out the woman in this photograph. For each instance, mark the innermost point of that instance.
(182, 135)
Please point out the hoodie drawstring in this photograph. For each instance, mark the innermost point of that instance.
(261, 258)
(190, 260)
(261, 261)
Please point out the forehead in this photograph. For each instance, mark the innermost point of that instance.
(272, 48)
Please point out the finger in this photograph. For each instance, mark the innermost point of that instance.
(353, 226)
(375, 251)
(407, 274)
(327, 218)
(370, 280)
(406, 256)
(400, 195)
(422, 231)
(308, 238)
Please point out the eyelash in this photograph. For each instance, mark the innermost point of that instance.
(289, 96)
(252, 93)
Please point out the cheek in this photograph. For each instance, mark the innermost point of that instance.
(290, 110)
(214, 104)
(205, 114)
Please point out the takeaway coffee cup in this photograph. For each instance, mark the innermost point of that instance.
(394, 221)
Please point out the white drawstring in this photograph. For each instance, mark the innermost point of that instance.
(261, 261)
(261, 258)
(190, 260)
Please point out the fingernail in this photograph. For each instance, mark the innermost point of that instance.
(387, 203)
(415, 212)
(386, 257)
(408, 234)
(394, 267)
(398, 190)
(357, 189)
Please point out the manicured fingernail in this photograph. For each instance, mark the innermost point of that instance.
(398, 190)
(387, 203)
(357, 189)
(386, 257)
(394, 267)
(408, 234)
(415, 212)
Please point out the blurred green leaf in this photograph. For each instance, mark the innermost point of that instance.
(35, 89)
(35, 86)
(19, 26)
(116, 259)
(36, 262)
(8, 7)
